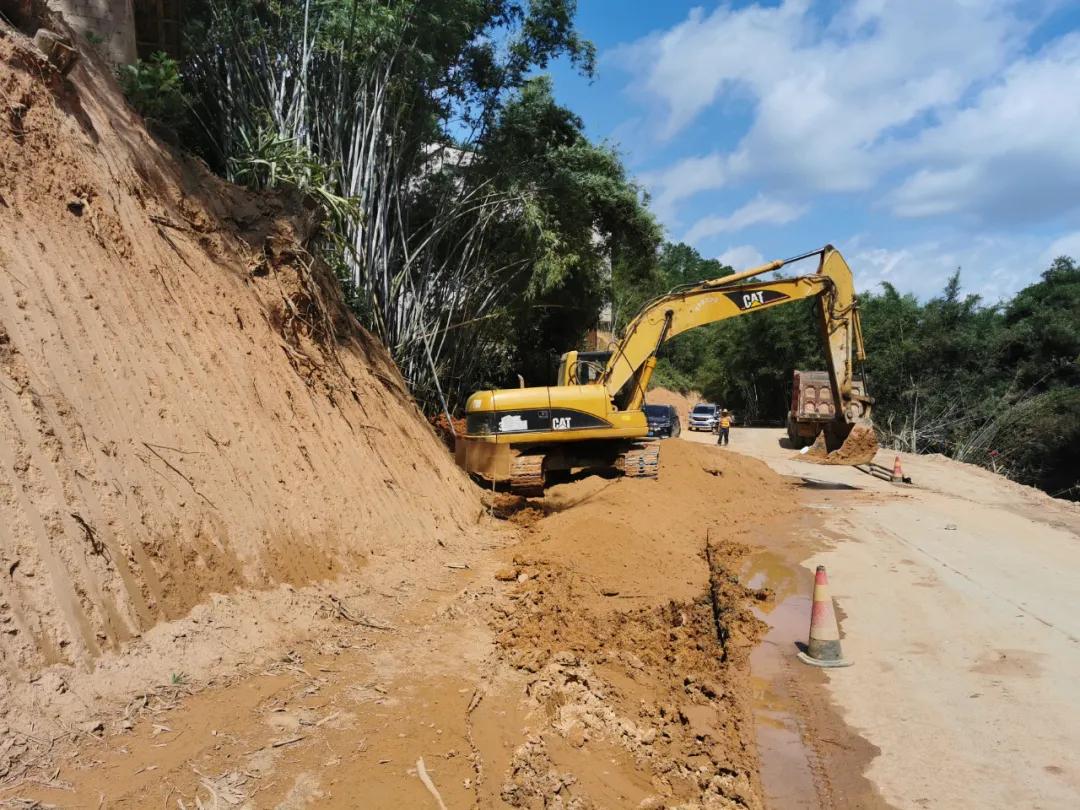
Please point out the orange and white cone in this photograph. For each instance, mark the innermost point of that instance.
(823, 647)
(897, 473)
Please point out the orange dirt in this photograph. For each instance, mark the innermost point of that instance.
(446, 430)
(625, 637)
(860, 447)
(590, 660)
(188, 414)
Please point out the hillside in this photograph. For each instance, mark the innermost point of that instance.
(186, 407)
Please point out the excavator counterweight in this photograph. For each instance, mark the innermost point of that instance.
(593, 417)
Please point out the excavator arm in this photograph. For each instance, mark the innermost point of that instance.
(626, 376)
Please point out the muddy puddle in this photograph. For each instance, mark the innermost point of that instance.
(787, 763)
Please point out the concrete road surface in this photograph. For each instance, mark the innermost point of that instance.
(961, 603)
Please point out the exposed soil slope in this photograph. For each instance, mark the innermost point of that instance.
(186, 408)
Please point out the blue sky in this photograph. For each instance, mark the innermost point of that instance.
(918, 136)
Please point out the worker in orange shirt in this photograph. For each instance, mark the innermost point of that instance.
(723, 427)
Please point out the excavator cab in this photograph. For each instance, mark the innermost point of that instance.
(582, 368)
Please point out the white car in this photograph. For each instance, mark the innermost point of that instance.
(703, 416)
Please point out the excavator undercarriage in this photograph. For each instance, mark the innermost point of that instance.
(531, 466)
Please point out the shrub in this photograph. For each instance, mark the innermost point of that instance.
(154, 87)
(267, 159)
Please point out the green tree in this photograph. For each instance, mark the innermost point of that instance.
(753, 358)
(469, 189)
(154, 87)
(1041, 340)
(575, 209)
(1039, 350)
(931, 366)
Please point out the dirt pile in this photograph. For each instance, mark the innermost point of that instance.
(628, 621)
(186, 408)
(859, 447)
(588, 658)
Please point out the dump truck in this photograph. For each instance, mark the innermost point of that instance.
(593, 418)
(812, 405)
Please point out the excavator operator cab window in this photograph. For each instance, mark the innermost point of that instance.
(590, 367)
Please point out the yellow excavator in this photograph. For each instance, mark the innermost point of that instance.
(593, 417)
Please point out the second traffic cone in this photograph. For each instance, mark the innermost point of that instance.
(823, 647)
(897, 473)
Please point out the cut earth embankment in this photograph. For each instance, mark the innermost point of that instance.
(189, 416)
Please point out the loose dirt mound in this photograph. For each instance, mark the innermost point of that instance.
(860, 447)
(634, 633)
(186, 408)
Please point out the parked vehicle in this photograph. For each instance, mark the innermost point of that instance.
(703, 416)
(663, 421)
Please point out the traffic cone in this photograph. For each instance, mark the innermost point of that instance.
(823, 648)
(897, 473)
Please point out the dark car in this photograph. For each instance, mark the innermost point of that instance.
(663, 420)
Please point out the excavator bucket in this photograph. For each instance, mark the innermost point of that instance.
(859, 447)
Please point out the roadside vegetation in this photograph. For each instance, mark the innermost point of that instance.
(478, 232)
(468, 216)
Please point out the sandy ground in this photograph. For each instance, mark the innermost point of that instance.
(594, 655)
(958, 596)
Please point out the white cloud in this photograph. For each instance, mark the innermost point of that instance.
(935, 91)
(741, 257)
(1012, 155)
(993, 267)
(1067, 245)
(759, 211)
(682, 180)
(686, 67)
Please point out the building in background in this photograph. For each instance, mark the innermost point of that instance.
(126, 30)
(159, 26)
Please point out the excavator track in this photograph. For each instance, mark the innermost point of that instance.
(642, 461)
(527, 475)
